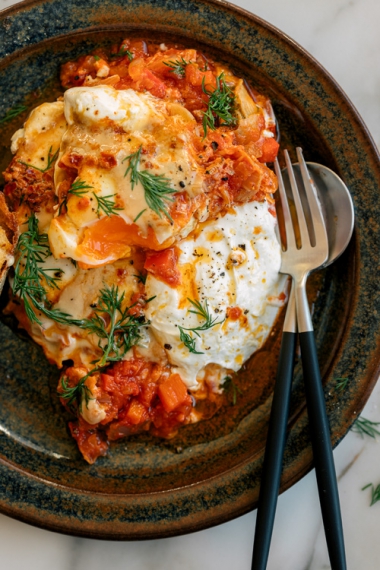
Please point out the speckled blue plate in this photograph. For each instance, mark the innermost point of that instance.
(148, 488)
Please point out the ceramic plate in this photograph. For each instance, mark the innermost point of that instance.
(150, 488)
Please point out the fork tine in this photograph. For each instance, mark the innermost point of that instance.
(304, 233)
(315, 209)
(289, 229)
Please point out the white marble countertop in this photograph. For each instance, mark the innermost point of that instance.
(342, 35)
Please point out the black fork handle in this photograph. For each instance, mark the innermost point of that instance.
(322, 451)
(274, 451)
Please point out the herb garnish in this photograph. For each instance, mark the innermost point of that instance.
(177, 66)
(76, 394)
(78, 188)
(363, 427)
(117, 329)
(105, 204)
(139, 214)
(140, 277)
(341, 384)
(230, 387)
(33, 249)
(122, 52)
(375, 493)
(156, 187)
(51, 158)
(220, 105)
(203, 312)
(12, 113)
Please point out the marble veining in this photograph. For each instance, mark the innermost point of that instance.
(343, 36)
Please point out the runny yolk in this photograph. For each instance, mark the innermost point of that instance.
(111, 237)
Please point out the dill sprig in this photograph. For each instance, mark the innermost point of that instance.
(75, 395)
(32, 250)
(139, 215)
(220, 105)
(122, 52)
(204, 313)
(230, 388)
(177, 66)
(189, 341)
(106, 205)
(363, 427)
(133, 167)
(12, 113)
(141, 277)
(78, 188)
(375, 493)
(116, 328)
(51, 158)
(156, 187)
(341, 384)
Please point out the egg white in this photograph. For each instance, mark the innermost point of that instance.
(234, 262)
(102, 120)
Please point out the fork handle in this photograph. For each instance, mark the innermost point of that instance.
(274, 451)
(322, 451)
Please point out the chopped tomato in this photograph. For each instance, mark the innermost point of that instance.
(198, 78)
(163, 265)
(92, 443)
(270, 150)
(137, 413)
(173, 393)
(146, 79)
(234, 313)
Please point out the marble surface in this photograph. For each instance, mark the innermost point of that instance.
(343, 36)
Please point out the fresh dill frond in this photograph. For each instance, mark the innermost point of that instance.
(220, 106)
(51, 158)
(139, 215)
(30, 276)
(157, 191)
(363, 427)
(142, 279)
(79, 187)
(133, 167)
(75, 395)
(12, 113)
(375, 493)
(341, 384)
(106, 205)
(177, 66)
(156, 186)
(188, 341)
(230, 388)
(204, 313)
(119, 331)
(123, 52)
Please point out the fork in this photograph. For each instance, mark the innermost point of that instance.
(298, 260)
